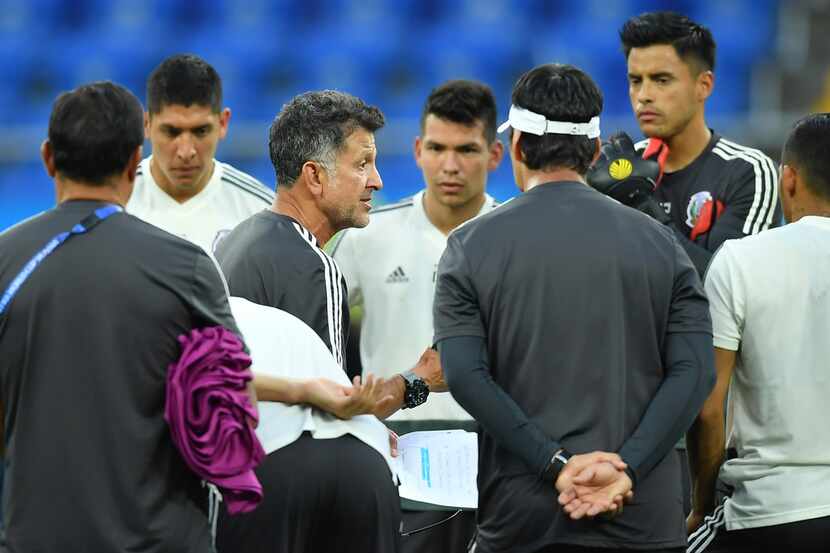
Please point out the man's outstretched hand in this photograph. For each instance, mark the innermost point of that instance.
(593, 484)
(363, 397)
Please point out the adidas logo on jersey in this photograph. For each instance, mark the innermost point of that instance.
(397, 276)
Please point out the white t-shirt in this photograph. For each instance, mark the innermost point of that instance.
(229, 198)
(282, 345)
(769, 295)
(389, 268)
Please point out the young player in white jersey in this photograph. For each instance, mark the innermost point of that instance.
(181, 188)
(770, 297)
(456, 151)
(396, 291)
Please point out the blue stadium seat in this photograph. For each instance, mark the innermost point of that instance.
(336, 57)
(32, 86)
(25, 190)
(743, 29)
(487, 51)
(124, 59)
(594, 51)
(34, 17)
(731, 94)
(241, 60)
(19, 63)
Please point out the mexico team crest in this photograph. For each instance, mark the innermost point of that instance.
(695, 207)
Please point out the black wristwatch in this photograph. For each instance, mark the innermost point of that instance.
(416, 390)
(556, 464)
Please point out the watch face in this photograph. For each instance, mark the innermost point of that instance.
(416, 393)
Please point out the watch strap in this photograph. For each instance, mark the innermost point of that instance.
(415, 390)
(557, 462)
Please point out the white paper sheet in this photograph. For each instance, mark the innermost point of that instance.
(439, 467)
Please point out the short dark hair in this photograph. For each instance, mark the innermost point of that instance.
(560, 93)
(806, 148)
(314, 126)
(184, 80)
(93, 131)
(464, 102)
(692, 42)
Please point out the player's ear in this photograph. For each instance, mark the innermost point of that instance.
(48, 157)
(224, 119)
(789, 181)
(496, 155)
(127, 182)
(316, 177)
(515, 149)
(147, 125)
(705, 84)
(133, 162)
(417, 149)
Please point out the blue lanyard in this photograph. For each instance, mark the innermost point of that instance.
(85, 225)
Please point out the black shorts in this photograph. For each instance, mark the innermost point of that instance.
(320, 495)
(803, 536)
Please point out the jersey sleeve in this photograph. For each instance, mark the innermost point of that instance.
(456, 310)
(466, 366)
(726, 299)
(750, 204)
(689, 311)
(209, 296)
(344, 251)
(314, 293)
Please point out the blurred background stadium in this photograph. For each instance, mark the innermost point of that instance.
(771, 65)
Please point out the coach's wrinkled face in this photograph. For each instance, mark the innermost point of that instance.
(347, 194)
(666, 92)
(455, 159)
(184, 143)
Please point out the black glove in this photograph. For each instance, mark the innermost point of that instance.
(622, 174)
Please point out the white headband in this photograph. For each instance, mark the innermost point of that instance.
(527, 121)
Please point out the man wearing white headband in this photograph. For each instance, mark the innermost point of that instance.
(576, 332)
(526, 121)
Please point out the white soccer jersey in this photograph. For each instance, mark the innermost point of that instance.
(229, 198)
(769, 296)
(390, 268)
